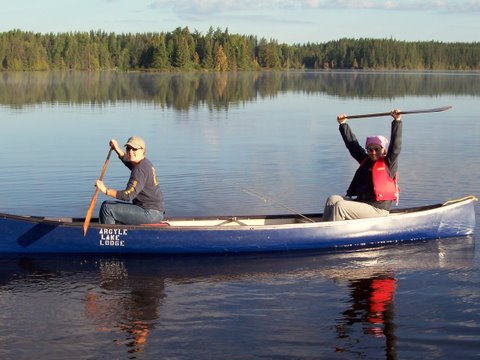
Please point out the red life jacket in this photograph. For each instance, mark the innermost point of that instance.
(384, 186)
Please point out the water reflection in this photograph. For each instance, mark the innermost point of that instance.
(123, 306)
(126, 299)
(219, 90)
(372, 306)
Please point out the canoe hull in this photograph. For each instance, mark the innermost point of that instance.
(20, 234)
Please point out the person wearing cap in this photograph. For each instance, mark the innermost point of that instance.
(374, 186)
(142, 200)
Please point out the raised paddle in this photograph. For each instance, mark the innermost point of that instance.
(439, 109)
(94, 197)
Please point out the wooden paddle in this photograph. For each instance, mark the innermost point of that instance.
(439, 109)
(94, 197)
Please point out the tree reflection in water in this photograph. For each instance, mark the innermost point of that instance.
(218, 90)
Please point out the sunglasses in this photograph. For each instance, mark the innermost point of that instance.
(129, 148)
(374, 149)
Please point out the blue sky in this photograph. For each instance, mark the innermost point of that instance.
(288, 21)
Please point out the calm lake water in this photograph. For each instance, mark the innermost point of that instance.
(214, 137)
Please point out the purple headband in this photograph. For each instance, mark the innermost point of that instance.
(377, 140)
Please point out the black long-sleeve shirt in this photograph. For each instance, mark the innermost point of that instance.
(362, 182)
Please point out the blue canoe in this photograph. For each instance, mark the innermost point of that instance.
(30, 234)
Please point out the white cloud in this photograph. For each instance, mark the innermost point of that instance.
(221, 6)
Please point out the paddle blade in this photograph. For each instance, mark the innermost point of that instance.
(439, 109)
(94, 197)
(89, 212)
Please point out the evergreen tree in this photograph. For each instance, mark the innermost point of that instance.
(221, 60)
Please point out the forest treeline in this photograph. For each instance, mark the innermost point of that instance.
(219, 50)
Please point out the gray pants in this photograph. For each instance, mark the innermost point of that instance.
(338, 208)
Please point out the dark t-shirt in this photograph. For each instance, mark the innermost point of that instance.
(142, 188)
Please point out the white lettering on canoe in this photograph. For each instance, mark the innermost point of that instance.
(113, 231)
(112, 237)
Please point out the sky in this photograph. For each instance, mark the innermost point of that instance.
(287, 21)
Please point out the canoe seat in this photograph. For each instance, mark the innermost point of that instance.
(161, 223)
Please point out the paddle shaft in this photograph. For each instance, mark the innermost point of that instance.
(94, 197)
(439, 109)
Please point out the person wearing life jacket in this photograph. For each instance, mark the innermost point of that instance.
(374, 185)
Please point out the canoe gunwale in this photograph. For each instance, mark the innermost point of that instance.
(296, 221)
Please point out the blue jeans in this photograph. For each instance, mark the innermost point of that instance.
(112, 212)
